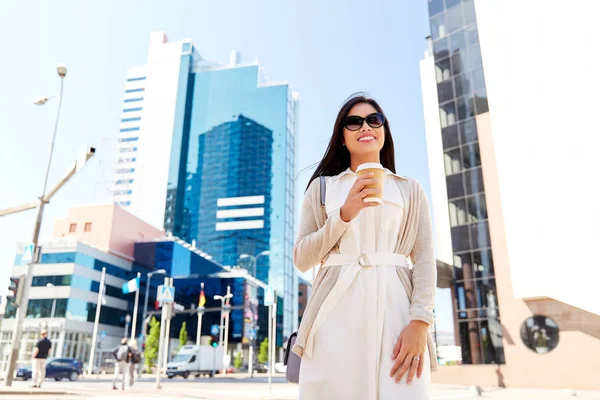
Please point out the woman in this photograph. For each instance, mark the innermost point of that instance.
(364, 334)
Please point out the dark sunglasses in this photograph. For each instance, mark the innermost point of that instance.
(354, 122)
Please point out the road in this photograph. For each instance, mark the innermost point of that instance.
(239, 388)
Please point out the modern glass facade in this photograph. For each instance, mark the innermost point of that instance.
(462, 96)
(73, 308)
(214, 161)
(190, 270)
(68, 306)
(237, 153)
(238, 193)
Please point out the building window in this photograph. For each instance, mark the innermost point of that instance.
(134, 90)
(56, 280)
(57, 258)
(140, 78)
(134, 100)
(88, 227)
(72, 228)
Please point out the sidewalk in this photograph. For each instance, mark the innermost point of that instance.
(237, 387)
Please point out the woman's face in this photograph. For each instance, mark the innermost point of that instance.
(366, 140)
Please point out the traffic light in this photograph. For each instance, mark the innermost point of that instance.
(15, 290)
(213, 342)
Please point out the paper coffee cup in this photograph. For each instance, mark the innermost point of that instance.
(378, 174)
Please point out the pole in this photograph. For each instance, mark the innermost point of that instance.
(135, 307)
(274, 347)
(51, 318)
(96, 321)
(168, 331)
(199, 331)
(270, 335)
(214, 371)
(227, 308)
(250, 351)
(221, 323)
(226, 343)
(200, 315)
(167, 342)
(161, 346)
(22, 310)
(144, 323)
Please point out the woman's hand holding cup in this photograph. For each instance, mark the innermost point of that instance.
(355, 200)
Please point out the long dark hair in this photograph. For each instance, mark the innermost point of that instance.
(337, 157)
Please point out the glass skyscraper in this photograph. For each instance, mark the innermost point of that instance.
(461, 97)
(215, 161)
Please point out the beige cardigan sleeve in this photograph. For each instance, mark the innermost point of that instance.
(313, 244)
(424, 265)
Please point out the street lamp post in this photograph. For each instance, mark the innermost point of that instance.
(253, 260)
(22, 310)
(224, 311)
(148, 277)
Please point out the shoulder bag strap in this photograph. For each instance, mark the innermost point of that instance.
(323, 188)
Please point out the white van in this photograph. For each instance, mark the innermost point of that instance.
(196, 360)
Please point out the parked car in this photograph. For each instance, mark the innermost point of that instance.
(57, 368)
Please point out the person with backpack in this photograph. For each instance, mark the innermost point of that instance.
(135, 360)
(365, 332)
(123, 355)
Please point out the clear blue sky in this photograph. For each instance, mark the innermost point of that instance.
(326, 50)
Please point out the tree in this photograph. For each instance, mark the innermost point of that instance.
(183, 335)
(263, 354)
(151, 352)
(237, 360)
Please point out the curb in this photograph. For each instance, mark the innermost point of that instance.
(36, 392)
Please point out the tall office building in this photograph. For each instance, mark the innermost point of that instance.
(208, 153)
(511, 156)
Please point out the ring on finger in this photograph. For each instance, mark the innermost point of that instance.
(416, 358)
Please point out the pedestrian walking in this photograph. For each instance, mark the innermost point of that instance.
(365, 332)
(135, 360)
(122, 355)
(39, 355)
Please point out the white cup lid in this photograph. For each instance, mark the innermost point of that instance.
(371, 165)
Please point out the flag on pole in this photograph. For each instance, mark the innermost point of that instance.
(131, 286)
(202, 299)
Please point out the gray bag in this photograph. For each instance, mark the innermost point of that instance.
(292, 360)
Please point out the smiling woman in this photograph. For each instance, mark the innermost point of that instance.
(383, 350)
(346, 132)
